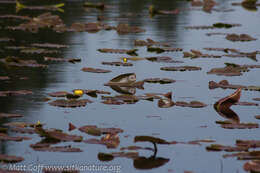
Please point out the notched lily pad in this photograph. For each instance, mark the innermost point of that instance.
(118, 63)
(70, 103)
(198, 54)
(181, 68)
(159, 80)
(241, 37)
(10, 159)
(94, 70)
(120, 51)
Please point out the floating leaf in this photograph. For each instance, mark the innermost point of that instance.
(248, 143)
(10, 159)
(165, 103)
(72, 127)
(222, 25)
(5, 137)
(126, 29)
(15, 93)
(252, 155)
(118, 63)
(181, 68)
(120, 51)
(5, 115)
(150, 139)
(197, 54)
(164, 59)
(246, 104)
(161, 50)
(144, 163)
(58, 94)
(17, 62)
(71, 60)
(49, 45)
(153, 11)
(149, 42)
(225, 84)
(229, 70)
(252, 166)
(94, 70)
(241, 37)
(94, 130)
(54, 149)
(240, 126)
(218, 147)
(192, 104)
(100, 6)
(70, 103)
(111, 141)
(159, 80)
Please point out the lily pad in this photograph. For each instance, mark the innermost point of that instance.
(150, 42)
(192, 104)
(5, 115)
(95, 131)
(164, 49)
(126, 29)
(256, 99)
(118, 63)
(71, 60)
(152, 162)
(150, 139)
(15, 93)
(153, 11)
(225, 84)
(110, 141)
(240, 126)
(10, 159)
(159, 80)
(198, 54)
(48, 148)
(248, 143)
(23, 130)
(70, 103)
(251, 155)
(5, 137)
(165, 103)
(49, 45)
(241, 37)
(120, 51)
(164, 59)
(100, 6)
(218, 147)
(33, 50)
(181, 68)
(17, 62)
(95, 70)
(58, 94)
(229, 70)
(252, 166)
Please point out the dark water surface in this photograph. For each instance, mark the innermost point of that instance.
(175, 123)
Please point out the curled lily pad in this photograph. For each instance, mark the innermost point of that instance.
(192, 104)
(71, 60)
(57, 135)
(241, 37)
(120, 51)
(165, 103)
(54, 149)
(5, 115)
(181, 68)
(5, 137)
(10, 159)
(118, 63)
(218, 147)
(15, 93)
(159, 80)
(126, 29)
(252, 166)
(150, 42)
(70, 103)
(95, 70)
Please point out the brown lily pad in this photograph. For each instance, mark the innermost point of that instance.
(240, 126)
(251, 155)
(48, 148)
(164, 49)
(49, 45)
(165, 103)
(192, 104)
(10, 159)
(110, 141)
(70, 103)
(246, 104)
(126, 99)
(125, 80)
(150, 139)
(15, 93)
(23, 130)
(58, 135)
(181, 68)
(197, 54)
(159, 80)
(5, 115)
(241, 37)
(85, 27)
(118, 63)
(33, 50)
(164, 59)
(252, 166)
(126, 29)
(120, 51)
(95, 70)
(94, 130)
(257, 117)
(58, 94)
(71, 60)
(229, 70)
(248, 143)
(150, 42)
(112, 102)
(5, 137)
(17, 62)
(218, 147)
(225, 84)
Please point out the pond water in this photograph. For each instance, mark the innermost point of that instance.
(144, 117)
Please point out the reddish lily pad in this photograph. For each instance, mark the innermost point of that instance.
(5, 115)
(110, 141)
(15, 93)
(229, 70)
(112, 102)
(23, 130)
(192, 104)
(153, 11)
(126, 29)
(95, 70)
(5, 137)
(58, 94)
(118, 63)
(240, 126)
(181, 68)
(72, 127)
(218, 147)
(248, 143)
(58, 135)
(165, 103)
(33, 50)
(246, 104)
(252, 166)
(94, 130)
(120, 51)
(252, 155)
(71, 60)
(257, 117)
(241, 37)
(10, 159)
(48, 148)
(70, 103)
